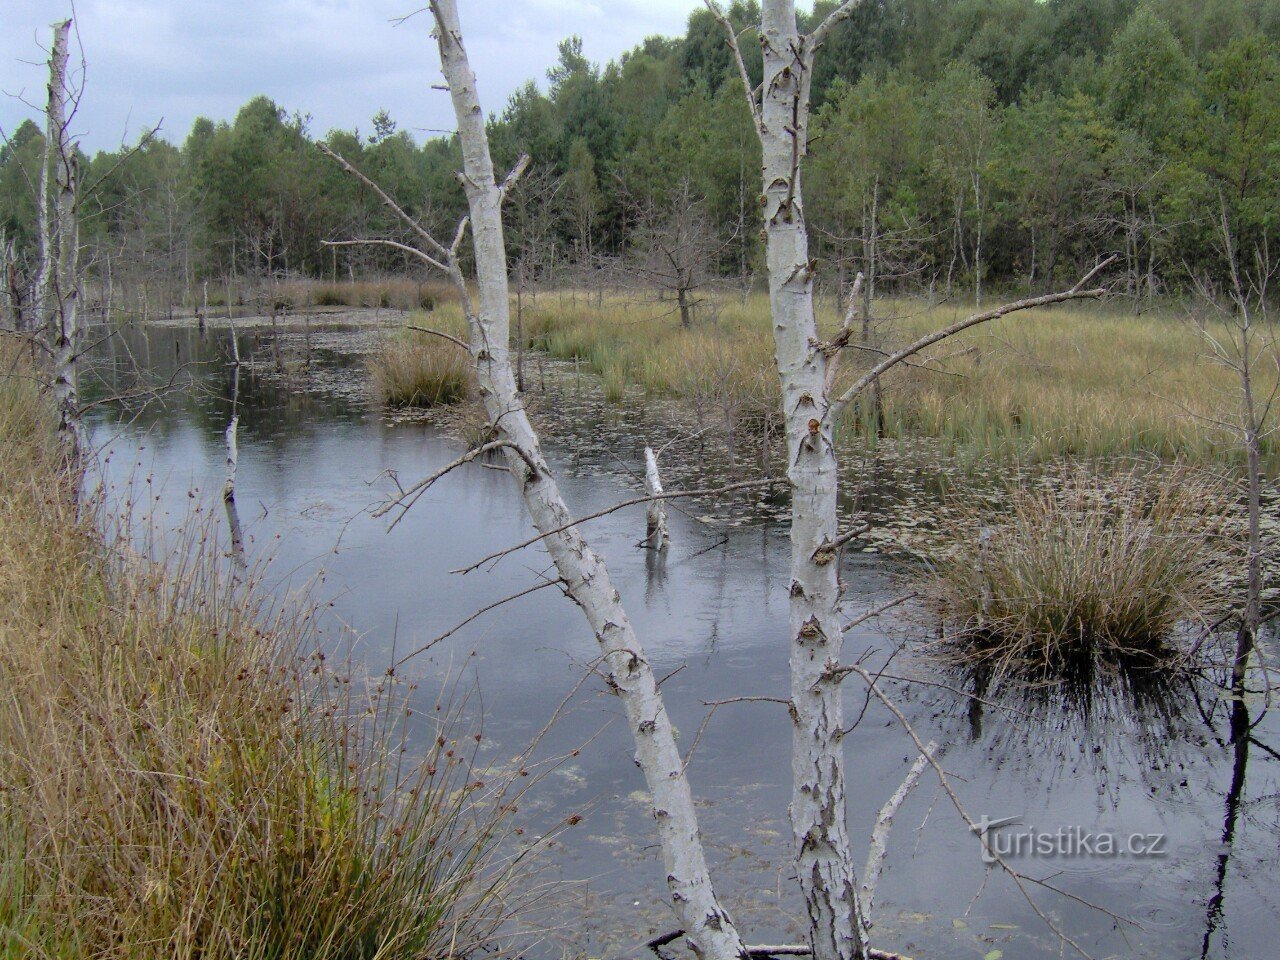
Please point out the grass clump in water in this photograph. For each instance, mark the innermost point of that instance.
(181, 778)
(1093, 571)
(419, 370)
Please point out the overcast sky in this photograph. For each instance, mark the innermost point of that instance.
(338, 60)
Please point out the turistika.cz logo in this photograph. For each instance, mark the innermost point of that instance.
(1009, 838)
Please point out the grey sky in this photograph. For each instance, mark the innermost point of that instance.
(338, 60)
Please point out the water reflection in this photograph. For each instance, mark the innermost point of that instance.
(313, 454)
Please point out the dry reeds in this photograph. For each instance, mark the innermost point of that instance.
(1087, 571)
(180, 777)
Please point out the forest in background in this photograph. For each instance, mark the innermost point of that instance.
(956, 145)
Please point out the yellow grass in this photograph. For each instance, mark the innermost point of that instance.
(1081, 379)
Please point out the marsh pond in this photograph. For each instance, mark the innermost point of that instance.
(316, 455)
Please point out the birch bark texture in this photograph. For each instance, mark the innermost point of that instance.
(824, 863)
(708, 929)
(60, 245)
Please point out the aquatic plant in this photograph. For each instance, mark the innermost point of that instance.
(1081, 572)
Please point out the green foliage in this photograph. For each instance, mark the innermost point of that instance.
(1013, 142)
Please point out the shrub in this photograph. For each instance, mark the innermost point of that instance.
(1091, 570)
(418, 370)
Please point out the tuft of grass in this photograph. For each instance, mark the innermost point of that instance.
(181, 777)
(1089, 571)
(419, 370)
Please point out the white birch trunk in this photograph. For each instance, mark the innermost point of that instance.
(231, 439)
(658, 534)
(707, 927)
(64, 249)
(818, 806)
(8, 307)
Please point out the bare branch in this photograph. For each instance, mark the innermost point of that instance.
(441, 334)
(834, 19)
(731, 36)
(666, 495)
(1075, 293)
(884, 823)
(514, 176)
(395, 208)
(475, 616)
(409, 497)
(875, 612)
(394, 244)
(1018, 878)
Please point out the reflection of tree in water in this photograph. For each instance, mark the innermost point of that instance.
(157, 370)
(1240, 738)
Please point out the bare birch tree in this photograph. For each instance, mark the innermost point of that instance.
(60, 282)
(807, 369)
(707, 927)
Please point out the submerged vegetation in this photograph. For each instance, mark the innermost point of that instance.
(182, 777)
(1086, 572)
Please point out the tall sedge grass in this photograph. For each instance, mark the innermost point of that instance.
(182, 777)
(418, 370)
(1085, 572)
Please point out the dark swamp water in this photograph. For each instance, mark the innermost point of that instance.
(314, 450)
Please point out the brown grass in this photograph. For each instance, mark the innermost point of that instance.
(1079, 380)
(180, 777)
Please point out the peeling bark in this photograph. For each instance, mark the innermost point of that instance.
(818, 804)
(708, 929)
(60, 246)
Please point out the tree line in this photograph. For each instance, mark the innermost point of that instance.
(956, 145)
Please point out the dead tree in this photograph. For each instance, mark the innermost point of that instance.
(1245, 345)
(707, 926)
(675, 249)
(657, 532)
(807, 371)
(231, 438)
(60, 282)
